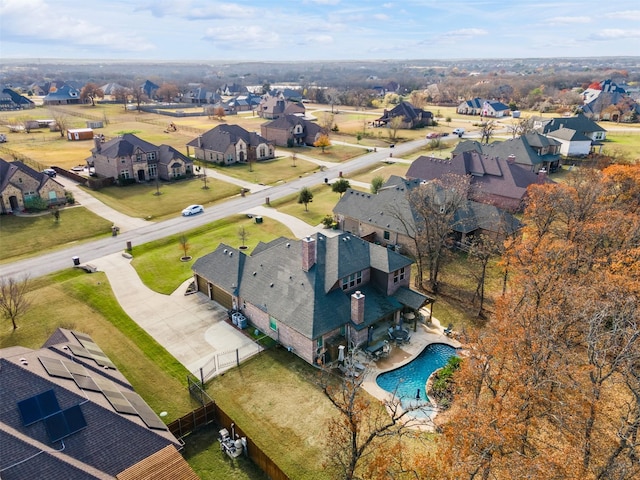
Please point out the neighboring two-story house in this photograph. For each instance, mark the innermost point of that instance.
(314, 294)
(577, 135)
(228, 144)
(533, 151)
(388, 218)
(495, 181)
(20, 185)
(411, 116)
(272, 107)
(291, 130)
(129, 158)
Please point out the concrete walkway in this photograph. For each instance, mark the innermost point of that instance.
(299, 228)
(91, 203)
(191, 327)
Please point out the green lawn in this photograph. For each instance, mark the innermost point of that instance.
(334, 153)
(622, 144)
(269, 172)
(33, 235)
(158, 263)
(76, 300)
(322, 205)
(140, 200)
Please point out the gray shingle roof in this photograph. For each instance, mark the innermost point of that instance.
(125, 146)
(110, 443)
(218, 139)
(312, 302)
(579, 123)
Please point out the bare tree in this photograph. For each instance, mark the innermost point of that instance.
(14, 298)
(520, 127)
(91, 91)
(243, 235)
(168, 92)
(138, 97)
(394, 125)
(486, 130)
(184, 245)
(121, 95)
(61, 121)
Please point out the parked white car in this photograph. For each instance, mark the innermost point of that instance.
(458, 131)
(192, 210)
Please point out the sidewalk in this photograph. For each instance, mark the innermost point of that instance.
(299, 228)
(91, 203)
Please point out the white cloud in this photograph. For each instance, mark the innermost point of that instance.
(465, 33)
(239, 37)
(568, 20)
(319, 39)
(614, 34)
(381, 16)
(631, 15)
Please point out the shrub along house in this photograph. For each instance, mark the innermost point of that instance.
(314, 294)
(22, 187)
(131, 159)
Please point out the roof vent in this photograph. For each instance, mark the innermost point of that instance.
(231, 254)
(254, 274)
(271, 285)
(288, 244)
(225, 250)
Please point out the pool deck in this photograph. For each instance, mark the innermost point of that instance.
(401, 355)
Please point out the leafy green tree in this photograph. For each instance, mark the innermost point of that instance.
(305, 197)
(340, 186)
(376, 183)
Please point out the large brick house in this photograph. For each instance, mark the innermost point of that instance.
(130, 158)
(291, 130)
(21, 184)
(228, 144)
(272, 107)
(411, 116)
(314, 294)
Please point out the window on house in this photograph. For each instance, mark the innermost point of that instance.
(210, 155)
(273, 324)
(351, 281)
(151, 156)
(125, 174)
(398, 275)
(386, 235)
(20, 180)
(138, 157)
(175, 171)
(319, 342)
(262, 151)
(153, 170)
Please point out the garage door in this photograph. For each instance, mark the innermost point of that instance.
(222, 297)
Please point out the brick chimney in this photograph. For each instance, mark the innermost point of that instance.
(308, 253)
(357, 307)
(542, 175)
(199, 141)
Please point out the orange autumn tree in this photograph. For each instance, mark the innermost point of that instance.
(551, 388)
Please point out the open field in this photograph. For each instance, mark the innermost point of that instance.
(31, 235)
(158, 263)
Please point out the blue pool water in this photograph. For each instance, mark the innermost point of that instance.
(407, 380)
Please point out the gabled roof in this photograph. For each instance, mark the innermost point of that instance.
(285, 122)
(124, 146)
(386, 208)
(96, 440)
(219, 139)
(579, 123)
(65, 92)
(111, 88)
(148, 87)
(167, 154)
(8, 169)
(16, 98)
(569, 134)
(489, 175)
(405, 110)
(520, 148)
(312, 303)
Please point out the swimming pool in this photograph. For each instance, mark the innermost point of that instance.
(411, 378)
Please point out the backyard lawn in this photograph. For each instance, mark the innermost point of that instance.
(158, 263)
(22, 236)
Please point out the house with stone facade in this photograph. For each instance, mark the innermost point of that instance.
(272, 107)
(21, 185)
(315, 294)
(411, 117)
(291, 130)
(229, 144)
(128, 158)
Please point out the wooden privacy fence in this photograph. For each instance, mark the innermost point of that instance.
(212, 413)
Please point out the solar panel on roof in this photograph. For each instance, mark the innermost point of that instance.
(75, 368)
(81, 336)
(92, 350)
(54, 367)
(119, 403)
(65, 423)
(86, 383)
(145, 412)
(34, 409)
(79, 351)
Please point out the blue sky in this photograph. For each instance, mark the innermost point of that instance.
(289, 30)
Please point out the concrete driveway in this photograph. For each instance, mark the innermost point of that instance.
(191, 327)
